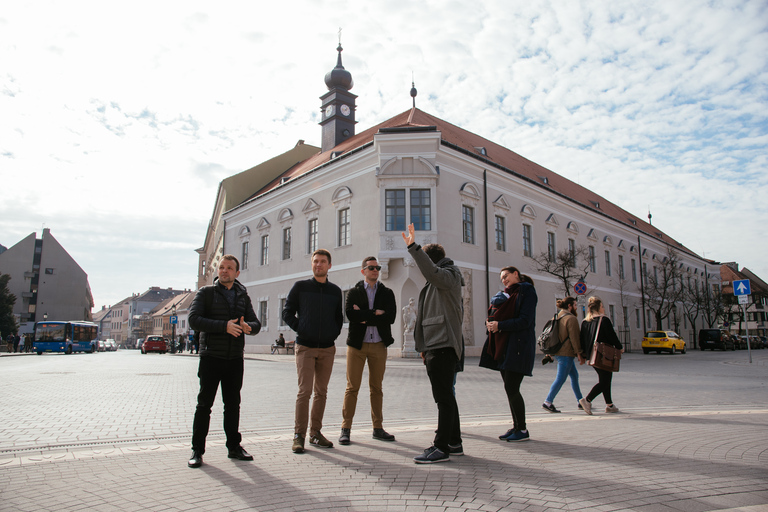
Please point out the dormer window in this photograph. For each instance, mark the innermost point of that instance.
(481, 150)
(544, 180)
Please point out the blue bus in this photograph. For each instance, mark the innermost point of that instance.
(66, 337)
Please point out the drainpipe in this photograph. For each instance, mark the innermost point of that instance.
(487, 267)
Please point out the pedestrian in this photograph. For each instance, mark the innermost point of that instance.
(313, 309)
(223, 314)
(9, 343)
(181, 343)
(597, 327)
(280, 341)
(438, 338)
(195, 343)
(371, 310)
(511, 344)
(27, 343)
(16, 341)
(569, 335)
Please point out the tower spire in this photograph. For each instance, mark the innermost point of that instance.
(338, 105)
(414, 92)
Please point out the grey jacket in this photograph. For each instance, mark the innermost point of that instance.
(440, 312)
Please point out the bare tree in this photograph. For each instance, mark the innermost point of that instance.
(568, 266)
(712, 305)
(663, 290)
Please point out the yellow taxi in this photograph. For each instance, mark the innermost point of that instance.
(667, 341)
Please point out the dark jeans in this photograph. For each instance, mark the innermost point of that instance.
(512, 382)
(212, 371)
(441, 368)
(603, 386)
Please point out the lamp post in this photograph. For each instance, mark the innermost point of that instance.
(45, 316)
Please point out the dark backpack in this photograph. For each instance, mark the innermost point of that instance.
(549, 340)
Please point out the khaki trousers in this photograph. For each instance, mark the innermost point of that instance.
(314, 367)
(376, 355)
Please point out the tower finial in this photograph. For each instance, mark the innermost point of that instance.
(649, 216)
(413, 90)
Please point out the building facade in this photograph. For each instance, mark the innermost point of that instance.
(488, 206)
(47, 282)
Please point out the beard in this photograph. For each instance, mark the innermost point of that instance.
(320, 273)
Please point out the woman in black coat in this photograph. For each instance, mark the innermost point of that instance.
(595, 320)
(511, 345)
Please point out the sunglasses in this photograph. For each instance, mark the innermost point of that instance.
(373, 267)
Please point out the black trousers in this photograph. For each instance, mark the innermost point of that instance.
(603, 386)
(512, 381)
(441, 369)
(212, 372)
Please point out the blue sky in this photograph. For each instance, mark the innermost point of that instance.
(119, 122)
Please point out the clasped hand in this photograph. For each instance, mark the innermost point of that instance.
(236, 328)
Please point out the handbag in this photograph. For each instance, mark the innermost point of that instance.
(603, 356)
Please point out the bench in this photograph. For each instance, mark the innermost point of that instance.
(288, 347)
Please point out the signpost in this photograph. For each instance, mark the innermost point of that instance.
(742, 290)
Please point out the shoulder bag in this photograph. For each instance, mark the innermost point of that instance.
(605, 357)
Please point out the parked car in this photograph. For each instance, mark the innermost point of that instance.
(139, 343)
(755, 342)
(111, 345)
(764, 340)
(102, 346)
(154, 344)
(715, 339)
(666, 341)
(741, 342)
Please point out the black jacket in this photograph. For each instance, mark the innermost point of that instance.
(320, 317)
(210, 313)
(606, 335)
(384, 299)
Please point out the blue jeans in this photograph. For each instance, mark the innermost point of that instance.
(566, 367)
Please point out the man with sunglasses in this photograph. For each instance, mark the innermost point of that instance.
(371, 310)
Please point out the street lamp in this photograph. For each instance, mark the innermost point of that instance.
(45, 316)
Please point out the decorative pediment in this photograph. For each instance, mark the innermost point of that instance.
(528, 211)
(633, 249)
(572, 227)
(342, 197)
(592, 235)
(310, 208)
(285, 215)
(470, 190)
(407, 166)
(552, 220)
(244, 233)
(501, 203)
(263, 224)
(607, 240)
(621, 245)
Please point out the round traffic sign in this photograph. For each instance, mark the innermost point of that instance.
(580, 288)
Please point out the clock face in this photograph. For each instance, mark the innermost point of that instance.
(329, 111)
(345, 110)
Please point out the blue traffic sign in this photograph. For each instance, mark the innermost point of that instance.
(741, 287)
(174, 320)
(580, 288)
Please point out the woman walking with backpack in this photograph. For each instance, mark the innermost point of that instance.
(511, 344)
(597, 328)
(568, 332)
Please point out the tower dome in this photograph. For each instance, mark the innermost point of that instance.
(338, 77)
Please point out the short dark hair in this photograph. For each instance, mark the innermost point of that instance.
(434, 251)
(322, 252)
(566, 302)
(369, 258)
(232, 257)
(524, 278)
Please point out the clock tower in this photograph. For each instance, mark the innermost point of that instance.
(337, 106)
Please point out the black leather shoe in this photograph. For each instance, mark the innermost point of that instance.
(240, 454)
(382, 435)
(196, 460)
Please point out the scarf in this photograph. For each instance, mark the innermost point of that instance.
(497, 341)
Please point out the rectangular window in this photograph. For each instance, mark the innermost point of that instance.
(572, 252)
(655, 274)
(626, 317)
(611, 314)
(551, 249)
(311, 236)
(421, 209)
(265, 249)
(244, 259)
(344, 227)
(637, 317)
(263, 313)
(280, 312)
(621, 266)
(592, 263)
(608, 263)
(527, 241)
(287, 243)
(645, 273)
(634, 270)
(501, 237)
(394, 209)
(468, 224)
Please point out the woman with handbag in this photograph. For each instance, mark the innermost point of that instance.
(511, 344)
(597, 328)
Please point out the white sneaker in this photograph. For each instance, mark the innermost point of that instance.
(587, 406)
(611, 408)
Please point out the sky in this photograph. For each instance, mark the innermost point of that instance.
(118, 121)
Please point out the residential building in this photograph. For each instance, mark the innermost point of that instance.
(755, 322)
(47, 282)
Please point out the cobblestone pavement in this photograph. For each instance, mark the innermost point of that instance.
(111, 431)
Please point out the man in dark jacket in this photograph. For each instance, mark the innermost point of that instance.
(313, 309)
(438, 337)
(371, 310)
(223, 314)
